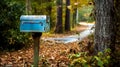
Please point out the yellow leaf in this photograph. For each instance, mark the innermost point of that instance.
(69, 7)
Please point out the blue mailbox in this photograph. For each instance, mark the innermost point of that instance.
(34, 23)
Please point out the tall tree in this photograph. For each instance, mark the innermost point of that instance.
(67, 17)
(59, 25)
(74, 14)
(28, 7)
(104, 27)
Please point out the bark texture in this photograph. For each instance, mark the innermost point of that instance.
(104, 30)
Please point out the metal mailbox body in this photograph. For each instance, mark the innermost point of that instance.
(34, 23)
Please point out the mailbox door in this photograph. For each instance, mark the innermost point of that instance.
(47, 26)
(32, 26)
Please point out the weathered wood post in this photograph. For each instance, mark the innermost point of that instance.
(36, 38)
(35, 24)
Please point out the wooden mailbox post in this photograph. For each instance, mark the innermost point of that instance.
(35, 24)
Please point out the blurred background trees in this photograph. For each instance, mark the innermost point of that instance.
(63, 13)
(64, 16)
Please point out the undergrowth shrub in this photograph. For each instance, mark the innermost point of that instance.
(82, 59)
(10, 36)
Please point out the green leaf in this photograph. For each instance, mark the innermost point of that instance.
(108, 57)
(85, 65)
(96, 58)
(100, 63)
(78, 55)
(100, 53)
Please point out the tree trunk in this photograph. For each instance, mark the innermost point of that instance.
(104, 27)
(115, 55)
(74, 18)
(117, 14)
(59, 26)
(28, 7)
(67, 17)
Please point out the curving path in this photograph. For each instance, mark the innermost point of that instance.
(74, 38)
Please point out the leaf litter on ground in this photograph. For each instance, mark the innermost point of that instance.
(51, 54)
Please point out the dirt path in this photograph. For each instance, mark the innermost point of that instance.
(86, 30)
